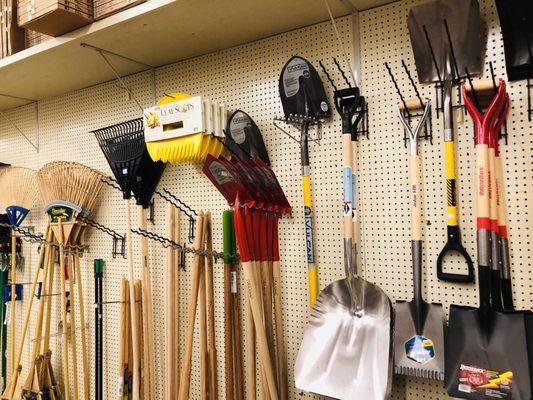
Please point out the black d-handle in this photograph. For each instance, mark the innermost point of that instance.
(454, 244)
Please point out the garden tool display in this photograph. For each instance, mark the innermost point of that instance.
(447, 37)
(18, 196)
(516, 20)
(125, 150)
(346, 351)
(244, 137)
(419, 329)
(181, 128)
(304, 103)
(486, 350)
(70, 190)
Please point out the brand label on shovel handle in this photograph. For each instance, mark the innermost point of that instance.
(485, 383)
(420, 349)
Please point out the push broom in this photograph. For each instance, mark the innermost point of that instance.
(18, 196)
(70, 190)
(125, 150)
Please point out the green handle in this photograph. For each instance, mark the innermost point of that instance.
(98, 266)
(228, 236)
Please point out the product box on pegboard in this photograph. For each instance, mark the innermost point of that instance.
(11, 35)
(54, 17)
(105, 8)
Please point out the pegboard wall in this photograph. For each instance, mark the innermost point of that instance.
(246, 77)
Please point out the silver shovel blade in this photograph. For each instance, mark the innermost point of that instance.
(347, 356)
(467, 33)
(419, 355)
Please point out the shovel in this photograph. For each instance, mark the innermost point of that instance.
(346, 349)
(304, 101)
(419, 330)
(447, 38)
(486, 350)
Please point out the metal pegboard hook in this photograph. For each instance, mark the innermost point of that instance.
(314, 121)
(103, 53)
(13, 125)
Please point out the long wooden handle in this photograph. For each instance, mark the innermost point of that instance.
(72, 315)
(133, 309)
(250, 349)
(414, 193)
(281, 355)
(84, 358)
(228, 332)
(264, 356)
(170, 316)
(123, 333)
(66, 370)
(177, 227)
(204, 366)
(140, 324)
(191, 313)
(210, 297)
(237, 341)
(148, 335)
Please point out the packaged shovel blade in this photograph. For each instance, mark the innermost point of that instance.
(487, 355)
(302, 92)
(245, 139)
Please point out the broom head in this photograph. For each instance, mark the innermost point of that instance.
(19, 193)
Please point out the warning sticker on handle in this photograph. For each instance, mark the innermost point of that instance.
(485, 383)
(233, 282)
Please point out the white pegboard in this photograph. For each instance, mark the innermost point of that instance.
(246, 77)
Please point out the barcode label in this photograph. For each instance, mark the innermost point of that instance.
(233, 282)
(120, 386)
(465, 388)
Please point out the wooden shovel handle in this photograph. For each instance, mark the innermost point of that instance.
(170, 392)
(191, 313)
(84, 357)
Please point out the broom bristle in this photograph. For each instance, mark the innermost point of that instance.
(71, 182)
(18, 187)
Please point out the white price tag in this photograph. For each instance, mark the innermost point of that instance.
(233, 282)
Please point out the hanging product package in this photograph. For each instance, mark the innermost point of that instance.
(516, 19)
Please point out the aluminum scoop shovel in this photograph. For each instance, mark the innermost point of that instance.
(346, 349)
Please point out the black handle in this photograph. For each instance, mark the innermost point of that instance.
(454, 244)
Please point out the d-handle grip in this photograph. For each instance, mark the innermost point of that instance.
(454, 244)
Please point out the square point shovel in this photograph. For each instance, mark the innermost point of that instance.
(419, 328)
(346, 349)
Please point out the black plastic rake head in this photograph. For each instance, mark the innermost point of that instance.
(125, 150)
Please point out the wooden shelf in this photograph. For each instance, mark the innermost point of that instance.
(156, 33)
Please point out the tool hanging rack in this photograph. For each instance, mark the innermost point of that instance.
(407, 110)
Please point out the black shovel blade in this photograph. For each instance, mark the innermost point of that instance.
(302, 92)
(487, 355)
(245, 139)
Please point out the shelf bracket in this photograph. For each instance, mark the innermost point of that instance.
(105, 53)
(35, 103)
